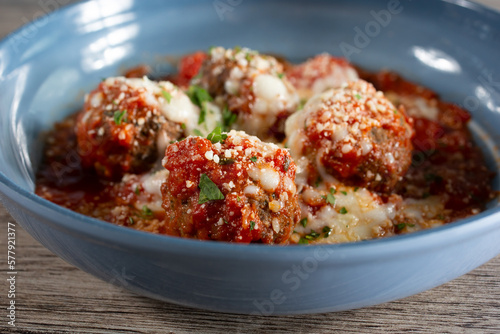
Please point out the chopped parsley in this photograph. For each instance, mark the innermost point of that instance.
(237, 49)
(238, 198)
(281, 75)
(120, 116)
(356, 189)
(303, 222)
(327, 231)
(226, 161)
(183, 126)
(318, 181)
(253, 159)
(199, 96)
(228, 118)
(208, 190)
(358, 96)
(203, 115)
(216, 136)
(198, 133)
(330, 199)
(131, 221)
(344, 192)
(333, 191)
(302, 103)
(252, 225)
(343, 210)
(136, 191)
(312, 236)
(286, 165)
(225, 221)
(166, 95)
(400, 226)
(248, 57)
(147, 211)
(303, 241)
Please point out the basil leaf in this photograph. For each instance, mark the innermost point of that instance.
(208, 190)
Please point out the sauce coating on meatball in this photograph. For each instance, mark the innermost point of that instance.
(251, 85)
(353, 134)
(126, 124)
(319, 74)
(238, 189)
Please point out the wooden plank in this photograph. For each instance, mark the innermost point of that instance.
(53, 296)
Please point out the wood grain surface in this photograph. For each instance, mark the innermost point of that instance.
(55, 297)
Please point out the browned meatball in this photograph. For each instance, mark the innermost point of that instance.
(239, 190)
(252, 86)
(355, 135)
(126, 123)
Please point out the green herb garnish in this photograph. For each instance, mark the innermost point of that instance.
(344, 192)
(147, 211)
(303, 222)
(358, 96)
(318, 181)
(216, 136)
(327, 231)
(228, 118)
(131, 221)
(226, 161)
(400, 226)
(198, 133)
(166, 95)
(330, 199)
(203, 115)
(199, 96)
(120, 116)
(302, 103)
(252, 225)
(253, 159)
(208, 190)
(281, 75)
(343, 210)
(312, 236)
(136, 191)
(303, 241)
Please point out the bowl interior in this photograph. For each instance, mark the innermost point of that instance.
(48, 66)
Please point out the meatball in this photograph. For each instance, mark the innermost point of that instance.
(353, 134)
(126, 124)
(235, 189)
(251, 85)
(319, 74)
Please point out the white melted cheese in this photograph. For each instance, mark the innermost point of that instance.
(268, 178)
(150, 185)
(359, 215)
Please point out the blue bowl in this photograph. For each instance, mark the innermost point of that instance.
(450, 46)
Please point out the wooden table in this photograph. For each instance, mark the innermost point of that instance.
(53, 296)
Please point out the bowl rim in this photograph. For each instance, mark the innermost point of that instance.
(119, 235)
